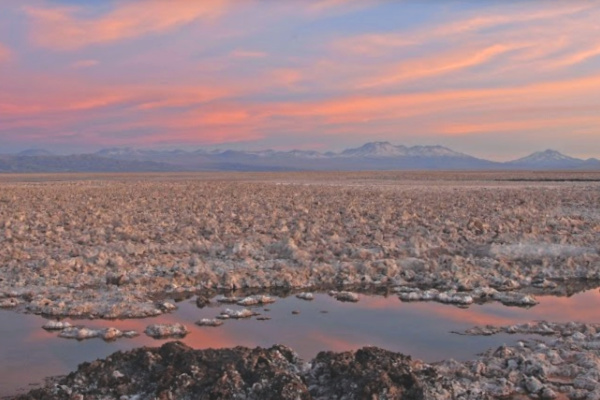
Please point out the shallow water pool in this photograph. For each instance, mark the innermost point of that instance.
(423, 330)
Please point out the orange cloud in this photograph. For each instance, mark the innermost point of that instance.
(498, 18)
(247, 54)
(527, 25)
(59, 94)
(180, 96)
(439, 65)
(214, 96)
(517, 126)
(84, 64)
(578, 57)
(344, 115)
(349, 114)
(287, 76)
(58, 105)
(63, 29)
(372, 43)
(5, 53)
(323, 5)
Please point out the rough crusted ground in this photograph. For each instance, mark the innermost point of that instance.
(109, 247)
(566, 365)
(175, 371)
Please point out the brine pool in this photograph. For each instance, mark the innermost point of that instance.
(28, 354)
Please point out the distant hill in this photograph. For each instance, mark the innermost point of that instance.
(552, 159)
(35, 153)
(78, 163)
(370, 156)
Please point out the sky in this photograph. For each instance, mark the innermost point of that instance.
(495, 79)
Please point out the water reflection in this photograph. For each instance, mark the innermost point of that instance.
(28, 353)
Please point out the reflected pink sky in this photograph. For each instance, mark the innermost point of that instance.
(421, 329)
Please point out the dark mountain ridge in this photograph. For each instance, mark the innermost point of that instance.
(370, 156)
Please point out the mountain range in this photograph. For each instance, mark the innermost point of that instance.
(370, 156)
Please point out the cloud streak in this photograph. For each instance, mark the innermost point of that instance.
(84, 64)
(63, 28)
(332, 71)
(5, 53)
(440, 65)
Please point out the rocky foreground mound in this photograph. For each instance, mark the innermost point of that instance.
(175, 371)
(565, 365)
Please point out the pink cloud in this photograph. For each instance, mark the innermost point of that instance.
(84, 64)
(288, 77)
(320, 6)
(524, 23)
(248, 54)
(63, 29)
(5, 53)
(440, 64)
(498, 18)
(577, 57)
(500, 124)
(220, 120)
(196, 89)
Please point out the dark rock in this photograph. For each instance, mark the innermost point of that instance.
(175, 371)
(116, 279)
(202, 301)
(368, 373)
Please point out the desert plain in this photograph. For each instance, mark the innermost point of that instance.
(125, 246)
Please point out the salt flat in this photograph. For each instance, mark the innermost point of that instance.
(105, 246)
(109, 245)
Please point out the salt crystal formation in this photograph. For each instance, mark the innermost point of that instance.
(160, 331)
(9, 303)
(236, 314)
(255, 300)
(565, 366)
(82, 333)
(105, 249)
(305, 296)
(56, 325)
(68, 331)
(344, 296)
(209, 322)
(465, 298)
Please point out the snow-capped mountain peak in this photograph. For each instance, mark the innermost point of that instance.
(432, 151)
(118, 152)
(545, 157)
(375, 149)
(386, 149)
(35, 153)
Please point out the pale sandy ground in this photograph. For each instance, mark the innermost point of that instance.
(114, 245)
(109, 245)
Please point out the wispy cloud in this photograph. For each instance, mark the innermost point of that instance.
(239, 53)
(319, 6)
(578, 57)
(225, 70)
(5, 53)
(64, 28)
(84, 64)
(499, 125)
(499, 23)
(439, 64)
(500, 17)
